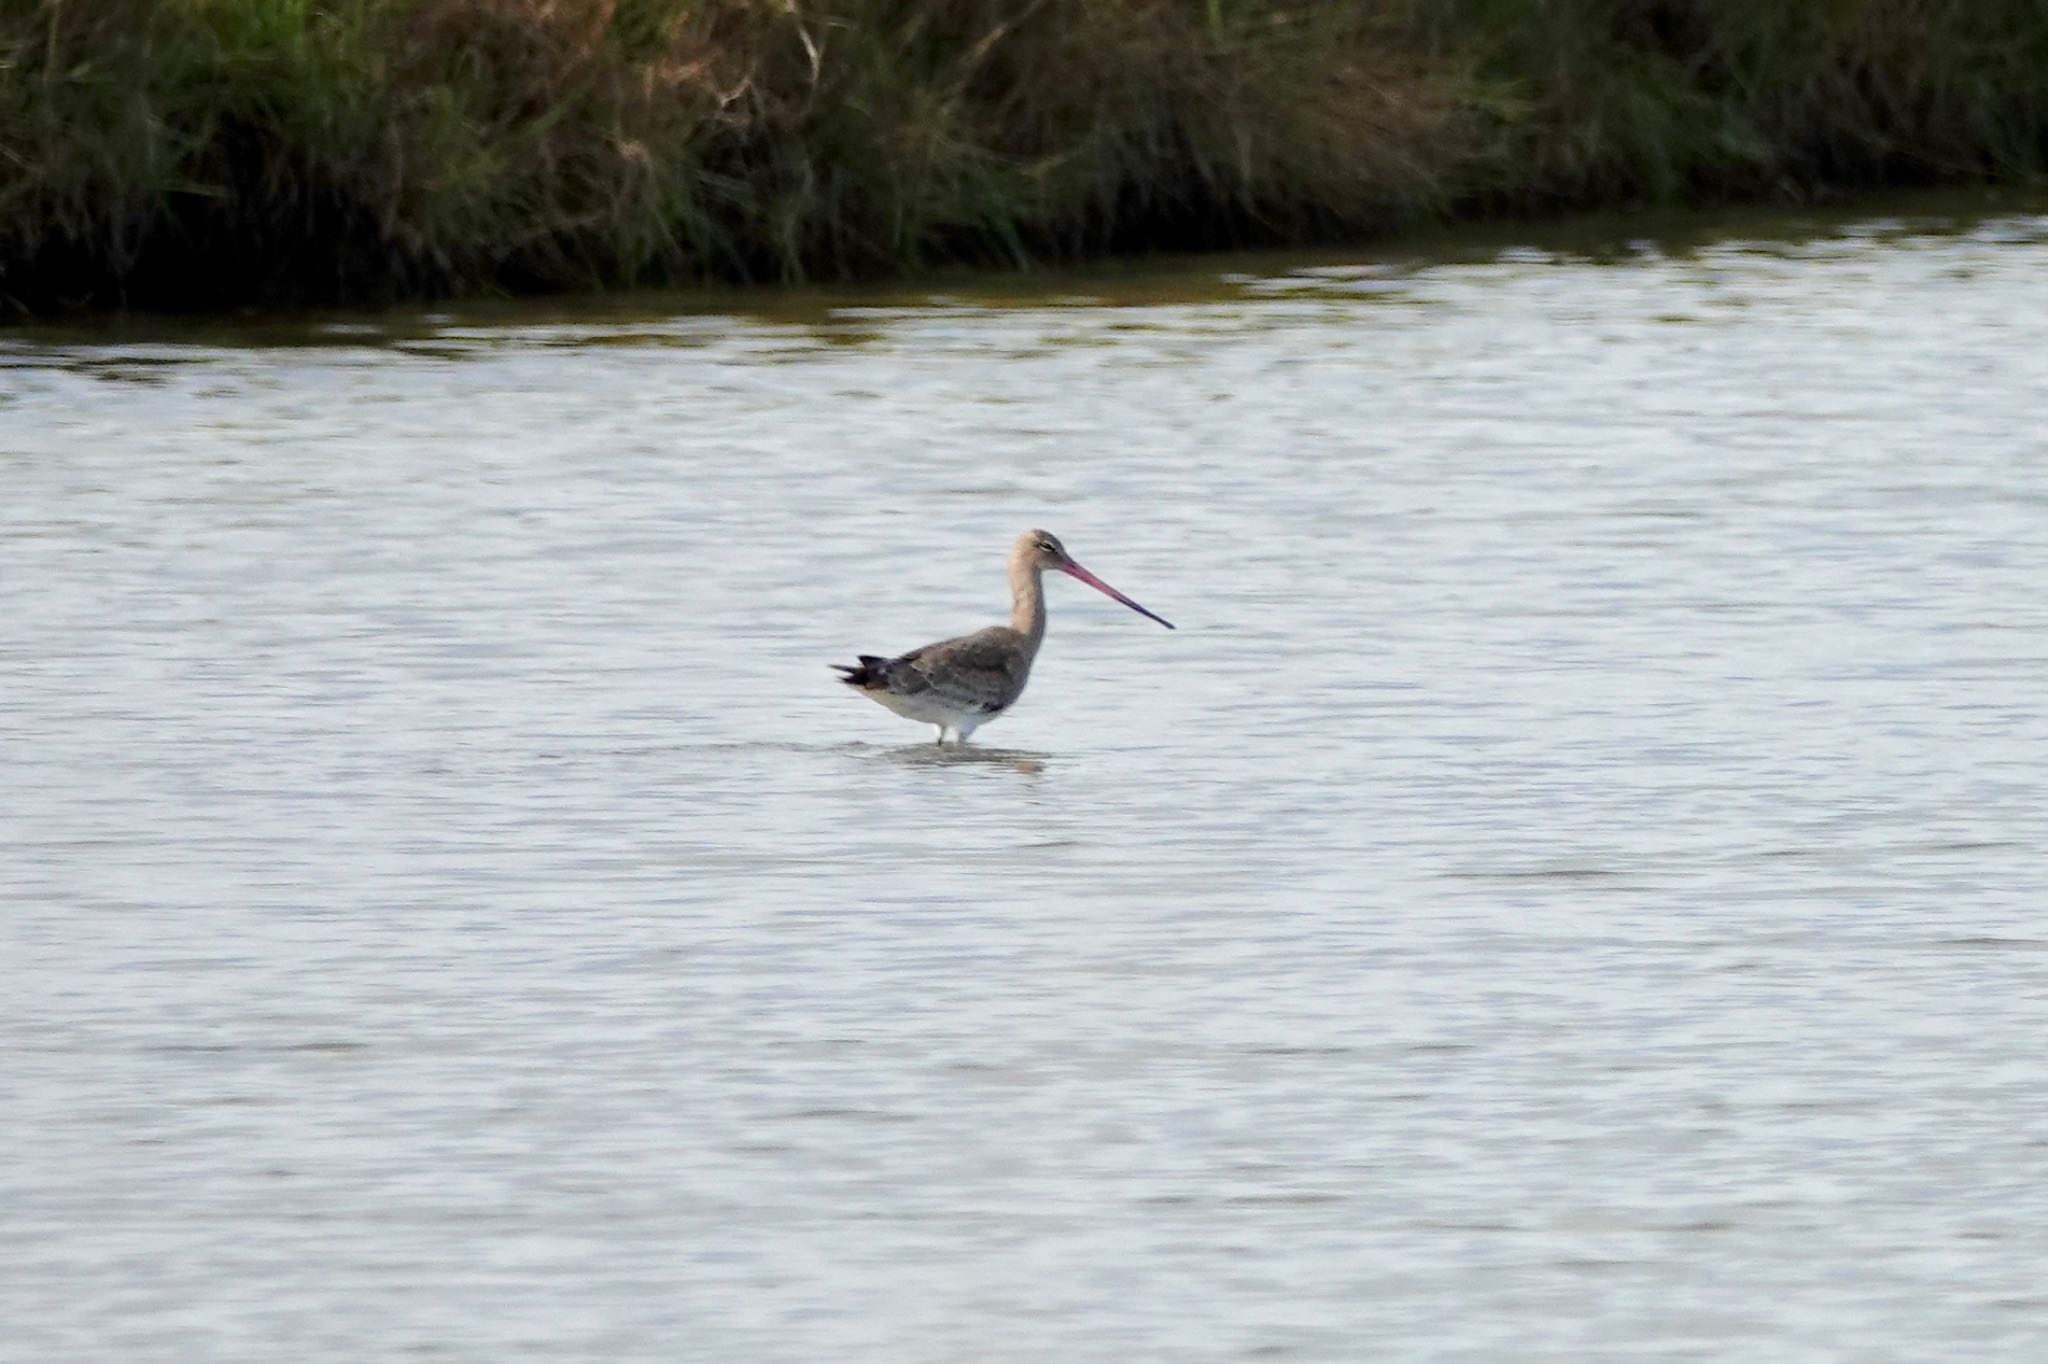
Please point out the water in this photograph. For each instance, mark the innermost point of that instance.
(1572, 888)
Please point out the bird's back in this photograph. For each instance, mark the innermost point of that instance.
(981, 673)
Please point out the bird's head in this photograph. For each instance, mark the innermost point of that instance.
(1042, 550)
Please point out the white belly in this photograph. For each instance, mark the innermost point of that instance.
(929, 710)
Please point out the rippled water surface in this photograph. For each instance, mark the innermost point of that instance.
(1572, 888)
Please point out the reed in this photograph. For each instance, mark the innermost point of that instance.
(220, 153)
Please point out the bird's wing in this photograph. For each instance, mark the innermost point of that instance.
(983, 671)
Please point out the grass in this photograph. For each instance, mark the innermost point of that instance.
(218, 153)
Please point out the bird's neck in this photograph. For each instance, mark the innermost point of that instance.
(1027, 590)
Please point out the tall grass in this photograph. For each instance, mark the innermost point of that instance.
(1618, 101)
(221, 152)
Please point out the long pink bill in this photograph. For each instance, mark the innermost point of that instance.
(1075, 570)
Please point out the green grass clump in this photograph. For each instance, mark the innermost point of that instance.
(211, 153)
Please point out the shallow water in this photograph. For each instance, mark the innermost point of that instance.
(1572, 888)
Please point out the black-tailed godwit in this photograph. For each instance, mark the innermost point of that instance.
(959, 685)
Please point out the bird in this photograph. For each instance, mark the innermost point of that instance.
(959, 685)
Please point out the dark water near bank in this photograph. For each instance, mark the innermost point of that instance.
(1573, 888)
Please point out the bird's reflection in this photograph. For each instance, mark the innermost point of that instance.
(968, 755)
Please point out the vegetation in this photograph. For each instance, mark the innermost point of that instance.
(211, 153)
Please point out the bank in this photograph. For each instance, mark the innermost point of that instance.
(218, 154)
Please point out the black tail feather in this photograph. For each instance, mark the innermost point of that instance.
(867, 676)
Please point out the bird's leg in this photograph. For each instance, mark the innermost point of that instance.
(942, 734)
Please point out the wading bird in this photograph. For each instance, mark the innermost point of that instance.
(961, 684)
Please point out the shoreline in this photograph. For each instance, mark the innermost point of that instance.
(239, 154)
(1612, 237)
